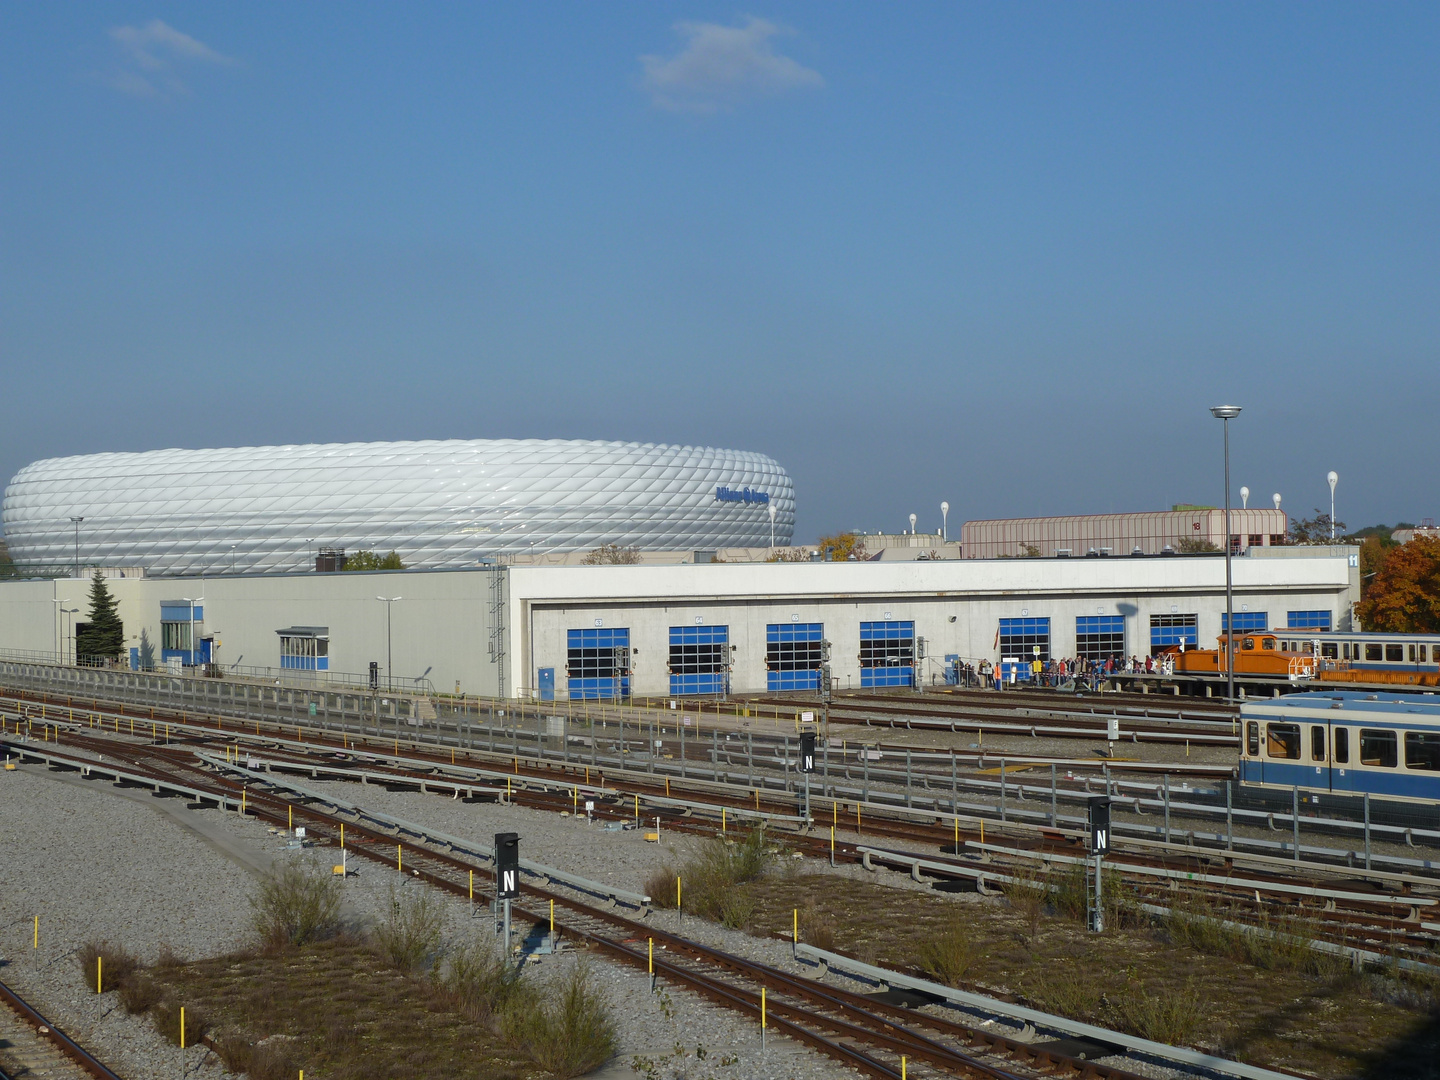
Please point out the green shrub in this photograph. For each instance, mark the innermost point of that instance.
(1164, 1014)
(409, 938)
(569, 1032)
(115, 965)
(295, 907)
(951, 954)
(476, 980)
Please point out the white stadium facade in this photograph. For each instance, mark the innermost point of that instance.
(440, 504)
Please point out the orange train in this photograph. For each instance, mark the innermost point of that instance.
(1304, 657)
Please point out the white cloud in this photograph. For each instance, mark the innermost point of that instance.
(722, 65)
(149, 55)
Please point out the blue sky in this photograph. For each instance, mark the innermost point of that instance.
(1003, 255)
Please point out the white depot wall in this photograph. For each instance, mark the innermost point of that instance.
(440, 625)
(956, 606)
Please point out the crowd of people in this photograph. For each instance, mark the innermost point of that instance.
(1081, 669)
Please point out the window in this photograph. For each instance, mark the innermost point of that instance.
(1247, 644)
(1328, 650)
(1347, 651)
(887, 653)
(1018, 637)
(699, 659)
(1167, 631)
(1246, 620)
(1394, 652)
(1282, 741)
(1378, 748)
(1098, 637)
(597, 662)
(1342, 746)
(1317, 743)
(1307, 620)
(306, 648)
(175, 636)
(1252, 738)
(1277, 539)
(792, 655)
(1374, 651)
(1254, 540)
(1268, 643)
(1422, 750)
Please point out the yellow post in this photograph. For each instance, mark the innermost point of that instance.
(243, 790)
(508, 791)
(36, 945)
(857, 817)
(399, 860)
(757, 800)
(452, 755)
(472, 887)
(637, 810)
(667, 787)
(99, 979)
(182, 1027)
(397, 747)
(552, 923)
(762, 1008)
(132, 726)
(342, 838)
(832, 843)
(652, 956)
(575, 801)
(290, 812)
(902, 1067)
(677, 892)
(722, 819)
(982, 830)
(795, 927)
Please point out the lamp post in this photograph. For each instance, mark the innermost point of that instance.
(1228, 413)
(69, 624)
(912, 524)
(192, 603)
(772, 525)
(1333, 478)
(389, 602)
(59, 607)
(77, 520)
(944, 521)
(1244, 498)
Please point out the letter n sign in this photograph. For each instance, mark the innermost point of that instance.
(807, 751)
(1100, 826)
(507, 865)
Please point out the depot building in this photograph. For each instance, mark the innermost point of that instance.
(686, 629)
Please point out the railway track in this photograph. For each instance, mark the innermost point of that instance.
(33, 1048)
(851, 1028)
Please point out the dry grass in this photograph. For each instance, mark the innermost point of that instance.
(409, 938)
(817, 927)
(109, 965)
(568, 1030)
(712, 879)
(952, 953)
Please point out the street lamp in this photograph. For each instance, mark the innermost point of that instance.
(192, 603)
(1228, 413)
(912, 524)
(1333, 479)
(772, 525)
(1244, 498)
(944, 521)
(77, 520)
(59, 607)
(75, 649)
(389, 602)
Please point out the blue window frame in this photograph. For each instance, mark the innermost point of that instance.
(887, 653)
(699, 660)
(1246, 621)
(1307, 620)
(1019, 637)
(597, 663)
(792, 655)
(1099, 637)
(1167, 631)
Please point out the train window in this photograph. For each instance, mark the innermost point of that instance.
(1282, 741)
(1395, 652)
(1247, 643)
(1327, 649)
(1317, 743)
(1252, 738)
(1412, 654)
(1422, 750)
(1267, 643)
(1378, 748)
(1420, 653)
(1374, 651)
(1342, 745)
(1347, 650)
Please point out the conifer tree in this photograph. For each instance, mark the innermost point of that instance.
(104, 636)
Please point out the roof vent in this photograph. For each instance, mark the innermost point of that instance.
(1063, 553)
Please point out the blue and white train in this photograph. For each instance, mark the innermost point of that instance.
(1344, 742)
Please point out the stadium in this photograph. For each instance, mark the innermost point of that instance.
(440, 504)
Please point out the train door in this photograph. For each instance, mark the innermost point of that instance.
(1252, 766)
(1318, 748)
(1342, 775)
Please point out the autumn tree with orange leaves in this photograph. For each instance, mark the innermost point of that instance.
(1404, 597)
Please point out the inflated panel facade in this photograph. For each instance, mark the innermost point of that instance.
(439, 503)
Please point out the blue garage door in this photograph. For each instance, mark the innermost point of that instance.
(699, 660)
(597, 663)
(887, 653)
(792, 655)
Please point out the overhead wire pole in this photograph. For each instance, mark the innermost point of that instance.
(1227, 413)
(77, 520)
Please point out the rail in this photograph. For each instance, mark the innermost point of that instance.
(66, 1045)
